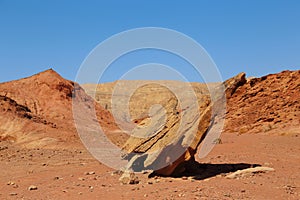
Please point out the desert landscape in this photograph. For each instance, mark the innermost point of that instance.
(257, 155)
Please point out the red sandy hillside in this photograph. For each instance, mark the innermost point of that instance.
(37, 110)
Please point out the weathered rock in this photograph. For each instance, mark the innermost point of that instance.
(269, 104)
(173, 135)
(233, 83)
(245, 172)
(129, 178)
(169, 134)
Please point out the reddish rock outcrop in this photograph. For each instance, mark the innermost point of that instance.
(270, 105)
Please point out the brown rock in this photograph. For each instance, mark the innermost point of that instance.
(32, 187)
(129, 178)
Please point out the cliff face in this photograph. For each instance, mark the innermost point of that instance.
(270, 105)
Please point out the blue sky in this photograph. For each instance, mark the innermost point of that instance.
(257, 37)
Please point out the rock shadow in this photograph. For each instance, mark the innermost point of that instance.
(200, 171)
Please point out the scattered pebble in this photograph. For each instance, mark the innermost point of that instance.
(57, 178)
(32, 187)
(10, 183)
(89, 173)
(227, 195)
(181, 195)
(117, 172)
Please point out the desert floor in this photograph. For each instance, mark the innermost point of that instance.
(75, 174)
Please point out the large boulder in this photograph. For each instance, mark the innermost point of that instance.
(171, 119)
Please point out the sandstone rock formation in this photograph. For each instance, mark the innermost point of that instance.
(166, 136)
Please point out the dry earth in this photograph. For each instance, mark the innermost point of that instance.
(63, 174)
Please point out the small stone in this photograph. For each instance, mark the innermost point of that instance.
(80, 193)
(145, 195)
(129, 178)
(13, 194)
(243, 191)
(150, 182)
(117, 172)
(89, 173)
(184, 178)
(32, 187)
(10, 183)
(81, 179)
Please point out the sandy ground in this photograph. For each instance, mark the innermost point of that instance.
(75, 174)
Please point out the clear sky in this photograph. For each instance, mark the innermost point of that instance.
(255, 36)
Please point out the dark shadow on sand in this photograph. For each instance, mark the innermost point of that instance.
(200, 171)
